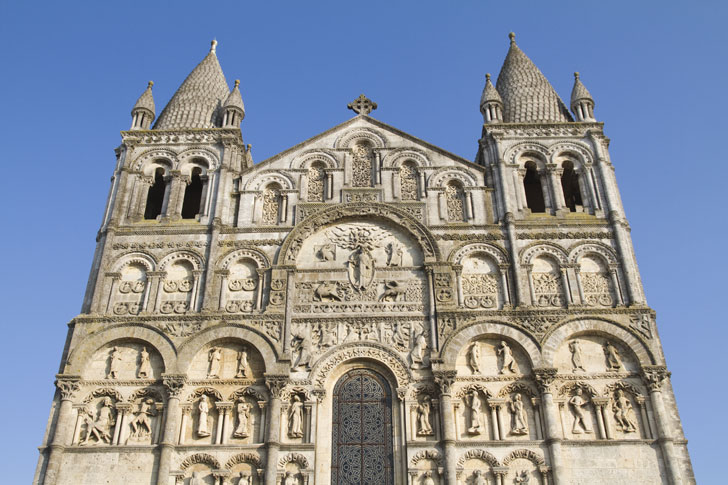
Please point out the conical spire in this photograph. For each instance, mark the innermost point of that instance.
(233, 108)
(197, 101)
(234, 99)
(582, 103)
(527, 95)
(491, 104)
(143, 112)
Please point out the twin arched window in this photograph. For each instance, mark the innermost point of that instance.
(193, 195)
(155, 195)
(533, 188)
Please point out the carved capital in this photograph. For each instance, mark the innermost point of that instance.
(600, 401)
(500, 470)
(654, 376)
(276, 384)
(174, 383)
(402, 392)
(124, 407)
(545, 378)
(68, 385)
(445, 380)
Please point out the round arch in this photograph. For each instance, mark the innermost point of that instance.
(304, 161)
(139, 257)
(556, 336)
(227, 259)
(166, 158)
(397, 157)
(348, 139)
(188, 157)
(266, 177)
(191, 347)
(527, 149)
(458, 340)
(79, 356)
(583, 248)
(541, 247)
(462, 251)
(292, 244)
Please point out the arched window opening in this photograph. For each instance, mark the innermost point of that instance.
(271, 204)
(193, 195)
(455, 202)
(316, 185)
(572, 190)
(408, 181)
(532, 186)
(155, 196)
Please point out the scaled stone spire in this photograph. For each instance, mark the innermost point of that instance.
(527, 95)
(233, 107)
(582, 103)
(196, 104)
(491, 104)
(143, 111)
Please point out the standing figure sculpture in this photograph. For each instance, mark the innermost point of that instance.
(577, 403)
(427, 478)
(290, 479)
(145, 367)
(141, 425)
(475, 406)
(243, 409)
(478, 478)
(100, 428)
(203, 409)
(424, 408)
(242, 363)
(621, 408)
(418, 354)
(295, 418)
(614, 362)
(474, 358)
(575, 349)
(197, 479)
(507, 360)
(114, 363)
(301, 345)
(244, 479)
(360, 269)
(519, 423)
(214, 357)
(394, 254)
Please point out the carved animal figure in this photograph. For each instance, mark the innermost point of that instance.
(393, 291)
(326, 292)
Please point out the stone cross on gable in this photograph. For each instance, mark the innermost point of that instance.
(362, 105)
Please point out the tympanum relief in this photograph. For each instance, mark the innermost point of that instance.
(124, 361)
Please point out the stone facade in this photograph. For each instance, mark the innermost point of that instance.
(365, 307)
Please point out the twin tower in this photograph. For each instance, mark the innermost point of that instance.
(364, 307)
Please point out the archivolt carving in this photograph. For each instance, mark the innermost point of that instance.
(304, 160)
(260, 259)
(208, 391)
(289, 392)
(103, 391)
(200, 458)
(146, 160)
(443, 175)
(517, 151)
(473, 387)
(136, 257)
(584, 248)
(582, 152)
(251, 458)
(348, 139)
(541, 247)
(397, 157)
(517, 387)
(147, 392)
(480, 455)
(458, 254)
(358, 350)
(265, 177)
(190, 256)
(426, 455)
(569, 387)
(247, 391)
(624, 386)
(296, 458)
(526, 454)
(316, 221)
(189, 155)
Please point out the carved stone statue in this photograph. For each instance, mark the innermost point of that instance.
(203, 409)
(474, 358)
(242, 363)
(614, 362)
(478, 478)
(197, 479)
(290, 479)
(474, 405)
(424, 408)
(327, 252)
(214, 358)
(295, 418)
(145, 367)
(575, 349)
(621, 408)
(326, 292)
(522, 477)
(114, 363)
(301, 345)
(243, 409)
(418, 353)
(519, 421)
(244, 479)
(100, 428)
(141, 425)
(577, 404)
(427, 478)
(394, 254)
(360, 268)
(507, 360)
(394, 291)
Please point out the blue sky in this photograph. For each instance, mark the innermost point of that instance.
(72, 72)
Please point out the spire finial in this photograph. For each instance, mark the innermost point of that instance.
(576, 76)
(487, 77)
(512, 36)
(237, 83)
(150, 84)
(213, 46)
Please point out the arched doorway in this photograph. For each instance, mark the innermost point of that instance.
(362, 430)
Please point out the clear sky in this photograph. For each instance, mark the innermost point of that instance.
(72, 71)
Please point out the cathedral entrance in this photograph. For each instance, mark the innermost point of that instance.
(362, 430)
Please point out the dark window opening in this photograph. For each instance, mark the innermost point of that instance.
(155, 196)
(570, 185)
(193, 196)
(532, 186)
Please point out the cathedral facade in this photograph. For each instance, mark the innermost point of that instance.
(364, 307)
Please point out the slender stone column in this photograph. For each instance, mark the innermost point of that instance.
(275, 386)
(536, 402)
(445, 380)
(647, 432)
(503, 271)
(174, 384)
(545, 378)
(223, 421)
(558, 191)
(654, 377)
(618, 294)
(500, 473)
(494, 420)
(121, 420)
(599, 403)
(512, 243)
(67, 387)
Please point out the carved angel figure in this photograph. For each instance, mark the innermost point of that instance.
(141, 425)
(474, 358)
(424, 408)
(507, 360)
(295, 418)
(575, 349)
(242, 363)
(621, 408)
(203, 409)
(214, 357)
(114, 363)
(100, 428)
(614, 362)
(475, 406)
(243, 409)
(519, 422)
(577, 404)
(145, 368)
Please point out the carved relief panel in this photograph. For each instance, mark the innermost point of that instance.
(492, 357)
(124, 361)
(594, 354)
(177, 288)
(481, 282)
(241, 287)
(596, 282)
(546, 283)
(226, 359)
(130, 291)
